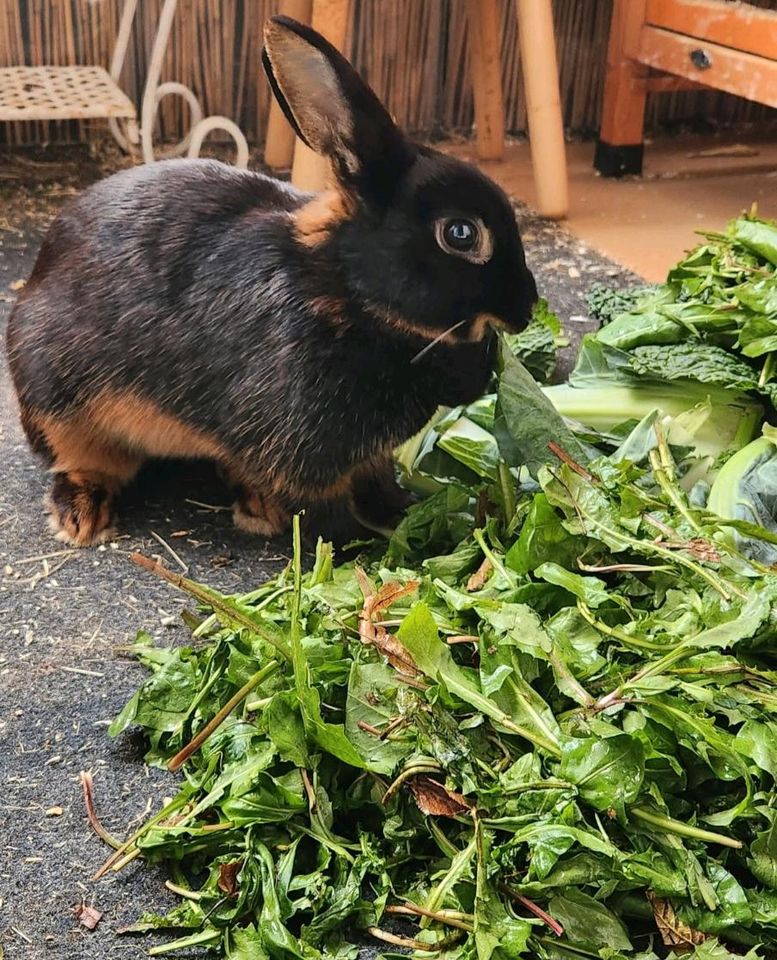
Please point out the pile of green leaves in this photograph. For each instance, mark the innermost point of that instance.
(714, 320)
(537, 346)
(541, 722)
(702, 348)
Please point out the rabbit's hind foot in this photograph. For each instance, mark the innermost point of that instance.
(88, 472)
(80, 507)
(259, 513)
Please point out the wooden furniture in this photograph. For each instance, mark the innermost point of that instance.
(88, 92)
(662, 45)
(540, 75)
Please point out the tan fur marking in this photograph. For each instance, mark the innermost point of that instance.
(480, 325)
(315, 222)
(332, 308)
(114, 432)
(477, 330)
(141, 425)
(338, 488)
(76, 447)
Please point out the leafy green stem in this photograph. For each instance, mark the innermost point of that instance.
(507, 488)
(767, 370)
(228, 613)
(203, 938)
(459, 866)
(488, 552)
(183, 892)
(664, 478)
(615, 632)
(295, 627)
(168, 809)
(669, 825)
(415, 769)
(650, 547)
(196, 742)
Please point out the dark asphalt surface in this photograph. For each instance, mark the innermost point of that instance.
(64, 613)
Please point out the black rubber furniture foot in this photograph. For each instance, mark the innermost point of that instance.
(618, 161)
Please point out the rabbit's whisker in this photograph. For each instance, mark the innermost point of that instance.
(421, 353)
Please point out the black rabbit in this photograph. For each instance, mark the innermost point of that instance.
(189, 309)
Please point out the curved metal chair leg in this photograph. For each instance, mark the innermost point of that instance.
(147, 132)
(200, 130)
(155, 92)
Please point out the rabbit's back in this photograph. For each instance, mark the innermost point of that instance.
(159, 278)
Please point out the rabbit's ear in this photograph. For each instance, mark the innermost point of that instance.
(332, 109)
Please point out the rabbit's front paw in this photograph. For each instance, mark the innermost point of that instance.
(259, 513)
(80, 507)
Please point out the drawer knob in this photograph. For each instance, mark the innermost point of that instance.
(701, 59)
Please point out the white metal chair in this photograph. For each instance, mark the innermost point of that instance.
(90, 92)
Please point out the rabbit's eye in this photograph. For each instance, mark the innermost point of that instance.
(464, 237)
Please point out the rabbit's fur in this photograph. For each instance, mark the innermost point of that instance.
(189, 309)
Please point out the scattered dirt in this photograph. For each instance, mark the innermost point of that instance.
(64, 614)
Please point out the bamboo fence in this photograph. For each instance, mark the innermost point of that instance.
(413, 52)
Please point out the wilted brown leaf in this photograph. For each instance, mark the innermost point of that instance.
(435, 800)
(88, 917)
(228, 877)
(395, 653)
(365, 586)
(673, 931)
(478, 579)
(698, 548)
(376, 635)
(391, 592)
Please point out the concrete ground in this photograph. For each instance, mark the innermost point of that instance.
(64, 615)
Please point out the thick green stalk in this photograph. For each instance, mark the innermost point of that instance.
(201, 939)
(196, 742)
(616, 633)
(668, 825)
(508, 491)
(228, 615)
(295, 627)
(459, 866)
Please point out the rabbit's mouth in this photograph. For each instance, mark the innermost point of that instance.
(485, 324)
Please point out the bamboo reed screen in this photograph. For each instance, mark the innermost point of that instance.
(413, 52)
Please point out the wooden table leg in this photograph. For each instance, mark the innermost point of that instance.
(486, 71)
(330, 19)
(279, 139)
(620, 147)
(546, 129)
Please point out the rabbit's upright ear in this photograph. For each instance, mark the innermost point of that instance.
(333, 110)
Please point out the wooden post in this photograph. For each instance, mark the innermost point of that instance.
(330, 19)
(619, 148)
(279, 139)
(546, 128)
(486, 70)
